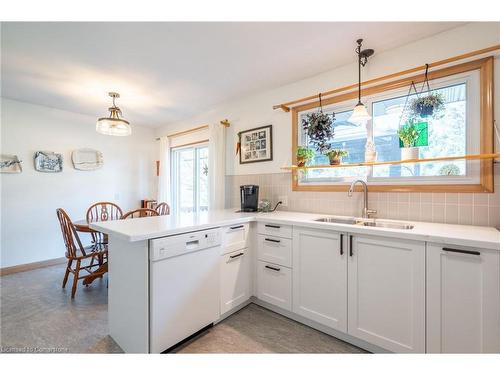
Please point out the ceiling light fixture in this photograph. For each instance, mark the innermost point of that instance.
(113, 125)
(360, 114)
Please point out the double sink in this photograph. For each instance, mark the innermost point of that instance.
(366, 222)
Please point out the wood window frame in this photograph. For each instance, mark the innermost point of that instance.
(486, 183)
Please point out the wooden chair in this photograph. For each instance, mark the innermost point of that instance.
(140, 212)
(163, 209)
(102, 211)
(89, 259)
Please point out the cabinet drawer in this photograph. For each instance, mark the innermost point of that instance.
(275, 250)
(278, 230)
(274, 284)
(234, 237)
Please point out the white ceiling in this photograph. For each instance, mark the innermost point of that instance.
(170, 71)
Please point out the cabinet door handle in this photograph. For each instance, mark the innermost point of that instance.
(272, 226)
(271, 240)
(341, 244)
(273, 268)
(450, 250)
(236, 255)
(236, 227)
(350, 245)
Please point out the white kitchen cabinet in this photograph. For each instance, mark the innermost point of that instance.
(320, 276)
(234, 279)
(463, 300)
(278, 230)
(386, 294)
(235, 237)
(274, 250)
(274, 284)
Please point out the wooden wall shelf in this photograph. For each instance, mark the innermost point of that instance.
(395, 162)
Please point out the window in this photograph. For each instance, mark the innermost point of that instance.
(190, 179)
(456, 131)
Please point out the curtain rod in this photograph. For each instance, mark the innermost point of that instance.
(286, 106)
(224, 123)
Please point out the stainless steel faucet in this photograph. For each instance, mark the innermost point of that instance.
(366, 211)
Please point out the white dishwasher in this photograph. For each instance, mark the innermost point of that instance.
(184, 286)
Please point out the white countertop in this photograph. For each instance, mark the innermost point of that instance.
(153, 227)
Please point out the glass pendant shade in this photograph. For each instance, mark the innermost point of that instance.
(113, 125)
(359, 114)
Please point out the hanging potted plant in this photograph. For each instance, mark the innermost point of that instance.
(318, 126)
(304, 155)
(336, 155)
(408, 134)
(428, 105)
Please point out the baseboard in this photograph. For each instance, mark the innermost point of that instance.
(31, 266)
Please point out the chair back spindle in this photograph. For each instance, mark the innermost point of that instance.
(163, 209)
(70, 235)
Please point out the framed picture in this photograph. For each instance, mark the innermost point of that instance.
(256, 145)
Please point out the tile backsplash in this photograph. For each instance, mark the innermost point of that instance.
(452, 208)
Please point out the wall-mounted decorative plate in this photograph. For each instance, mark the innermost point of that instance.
(48, 161)
(87, 159)
(10, 164)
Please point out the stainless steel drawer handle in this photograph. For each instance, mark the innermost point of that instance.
(271, 240)
(236, 256)
(274, 268)
(450, 250)
(236, 227)
(273, 226)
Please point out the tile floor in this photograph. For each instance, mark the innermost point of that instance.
(38, 315)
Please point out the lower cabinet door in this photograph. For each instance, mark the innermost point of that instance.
(320, 277)
(274, 284)
(234, 279)
(387, 292)
(463, 300)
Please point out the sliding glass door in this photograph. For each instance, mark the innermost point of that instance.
(190, 178)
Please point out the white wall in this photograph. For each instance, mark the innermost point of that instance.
(257, 110)
(29, 228)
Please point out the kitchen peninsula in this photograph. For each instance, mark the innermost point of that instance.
(402, 282)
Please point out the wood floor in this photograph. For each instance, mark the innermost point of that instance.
(37, 315)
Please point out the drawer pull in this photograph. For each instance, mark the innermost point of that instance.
(450, 250)
(273, 226)
(236, 227)
(236, 255)
(273, 268)
(350, 245)
(341, 244)
(271, 240)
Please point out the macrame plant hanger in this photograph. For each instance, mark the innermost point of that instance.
(417, 93)
(403, 112)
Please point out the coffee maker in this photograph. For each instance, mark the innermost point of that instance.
(249, 195)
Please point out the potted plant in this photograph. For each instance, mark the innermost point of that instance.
(336, 155)
(319, 129)
(408, 134)
(304, 154)
(426, 106)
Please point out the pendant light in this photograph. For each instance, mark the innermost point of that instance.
(360, 114)
(113, 125)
